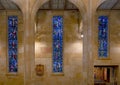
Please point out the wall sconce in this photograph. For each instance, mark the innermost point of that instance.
(80, 30)
(80, 27)
(81, 34)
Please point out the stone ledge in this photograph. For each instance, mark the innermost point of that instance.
(12, 75)
(108, 58)
(57, 74)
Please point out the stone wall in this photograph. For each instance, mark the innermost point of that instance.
(114, 40)
(7, 78)
(72, 49)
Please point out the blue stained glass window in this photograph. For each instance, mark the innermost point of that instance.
(57, 44)
(12, 43)
(103, 36)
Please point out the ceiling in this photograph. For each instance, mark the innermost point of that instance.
(58, 4)
(50, 5)
(61, 4)
(110, 5)
(7, 5)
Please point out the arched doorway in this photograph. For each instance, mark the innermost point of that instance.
(11, 39)
(72, 43)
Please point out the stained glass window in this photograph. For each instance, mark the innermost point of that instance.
(103, 36)
(57, 44)
(12, 43)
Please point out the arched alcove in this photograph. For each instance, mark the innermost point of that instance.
(11, 43)
(108, 10)
(72, 42)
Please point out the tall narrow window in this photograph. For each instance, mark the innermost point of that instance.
(103, 36)
(57, 44)
(12, 43)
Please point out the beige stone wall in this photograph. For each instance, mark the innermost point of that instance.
(72, 49)
(5, 77)
(114, 40)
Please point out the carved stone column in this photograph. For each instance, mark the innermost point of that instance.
(28, 44)
(88, 47)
